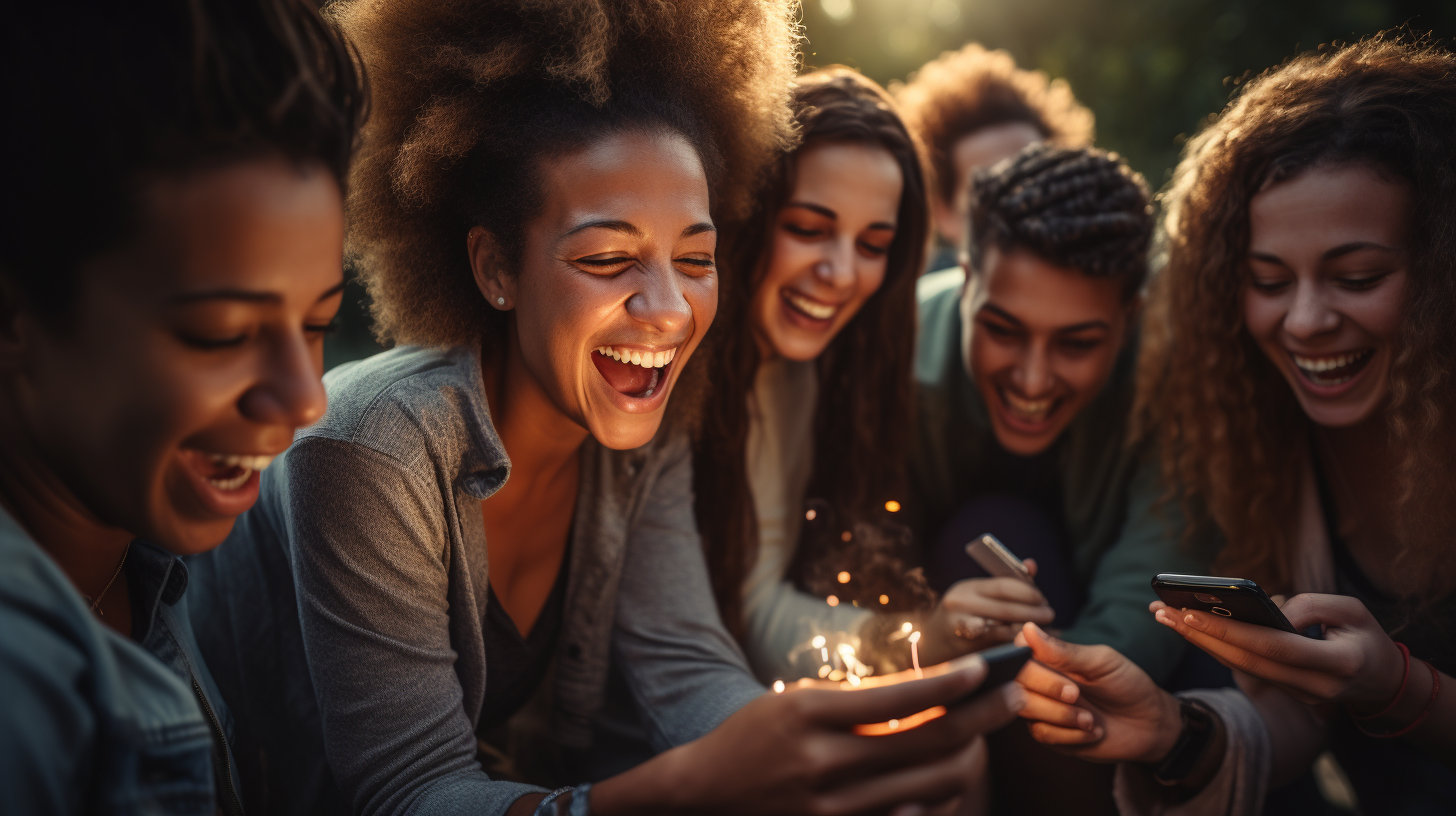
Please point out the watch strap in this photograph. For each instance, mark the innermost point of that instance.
(1193, 741)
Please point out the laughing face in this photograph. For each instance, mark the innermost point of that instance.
(1040, 341)
(617, 282)
(1326, 286)
(829, 248)
(190, 355)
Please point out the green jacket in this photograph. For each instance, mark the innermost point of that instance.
(1121, 534)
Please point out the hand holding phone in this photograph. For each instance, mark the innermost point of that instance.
(1235, 598)
(998, 561)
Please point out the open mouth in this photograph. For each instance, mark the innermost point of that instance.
(1025, 413)
(634, 372)
(1334, 369)
(225, 471)
(808, 307)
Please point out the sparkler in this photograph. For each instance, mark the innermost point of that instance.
(915, 653)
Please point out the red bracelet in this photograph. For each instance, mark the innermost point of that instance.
(1404, 678)
(1420, 718)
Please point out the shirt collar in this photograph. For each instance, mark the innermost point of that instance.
(156, 577)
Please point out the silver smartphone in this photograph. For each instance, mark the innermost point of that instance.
(994, 558)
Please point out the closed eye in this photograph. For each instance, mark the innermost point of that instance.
(804, 232)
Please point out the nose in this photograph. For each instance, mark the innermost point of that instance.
(836, 267)
(1032, 374)
(660, 301)
(289, 390)
(1309, 315)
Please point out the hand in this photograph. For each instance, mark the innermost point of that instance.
(991, 610)
(796, 752)
(1093, 703)
(1356, 663)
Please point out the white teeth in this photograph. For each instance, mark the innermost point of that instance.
(1316, 365)
(1032, 408)
(238, 460)
(234, 483)
(646, 359)
(812, 308)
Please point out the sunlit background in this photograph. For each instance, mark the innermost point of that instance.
(1152, 70)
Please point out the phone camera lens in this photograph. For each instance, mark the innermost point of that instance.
(1218, 610)
(1208, 599)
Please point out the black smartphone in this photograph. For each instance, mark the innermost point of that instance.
(1003, 663)
(1236, 598)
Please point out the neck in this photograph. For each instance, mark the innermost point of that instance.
(1365, 445)
(540, 439)
(87, 549)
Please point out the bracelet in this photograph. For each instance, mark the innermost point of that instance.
(578, 803)
(1404, 678)
(1420, 718)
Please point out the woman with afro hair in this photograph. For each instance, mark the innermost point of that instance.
(1299, 377)
(496, 515)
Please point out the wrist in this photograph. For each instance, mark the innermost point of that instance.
(1166, 729)
(660, 785)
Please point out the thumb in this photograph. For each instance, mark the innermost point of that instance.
(1058, 654)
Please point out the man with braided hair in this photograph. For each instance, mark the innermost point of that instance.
(1024, 379)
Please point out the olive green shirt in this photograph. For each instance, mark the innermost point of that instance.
(1120, 531)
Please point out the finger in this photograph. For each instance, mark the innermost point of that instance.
(966, 594)
(1263, 641)
(1055, 712)
(1156, 605)
(934, 781)
(941, 684)
(1248, 661)
(1090, 662)
(1001, 610)
(1310, 608)
(1056, 735)
(1030, 564)
(1037, 678)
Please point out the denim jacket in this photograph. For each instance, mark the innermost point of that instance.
(94, 722)
(344, 616)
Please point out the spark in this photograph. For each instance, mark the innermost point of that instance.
(884, 599)
(893, 506)
(906, 627)
(810, 515)
(832, 600)
(843, 577)
(817, 642)
(846, 535)
(778, 687)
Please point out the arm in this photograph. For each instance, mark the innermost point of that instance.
(368, 542)
(47, 754)
(1150, 542)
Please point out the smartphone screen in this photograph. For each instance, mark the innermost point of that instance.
(1236, 598)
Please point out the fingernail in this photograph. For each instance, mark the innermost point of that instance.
(1163, 618)
(1193, 620)
(1015, 697)
(1069, 694)
(1085, 721)
(1037, 628)
(1097, 732)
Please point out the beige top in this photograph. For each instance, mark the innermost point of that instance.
(781, 620)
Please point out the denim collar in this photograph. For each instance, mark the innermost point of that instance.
(155, 577)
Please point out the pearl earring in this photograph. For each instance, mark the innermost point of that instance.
(500, 301)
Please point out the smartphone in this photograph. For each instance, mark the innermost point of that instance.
(994, 558)
(1003, 663)
(1236, 598)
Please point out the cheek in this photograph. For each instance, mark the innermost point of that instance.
(1086, 375)
(1381, 313)
(1261, 315)
(988, 357)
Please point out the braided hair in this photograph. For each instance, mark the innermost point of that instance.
(1082, 208)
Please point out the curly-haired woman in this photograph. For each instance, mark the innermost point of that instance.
(1300, 375)
(170, 260)
(489, 516)
(971, 108)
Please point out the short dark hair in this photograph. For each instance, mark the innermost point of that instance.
(101, 97)
(1082, 208)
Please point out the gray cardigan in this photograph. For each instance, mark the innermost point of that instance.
(345, 612)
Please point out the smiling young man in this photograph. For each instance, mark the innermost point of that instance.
(1025, 375)
(166, 279)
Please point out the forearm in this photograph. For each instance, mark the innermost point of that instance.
(1297, 732)
(657, 786)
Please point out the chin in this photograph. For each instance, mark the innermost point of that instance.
(626, 431)
(185, 537)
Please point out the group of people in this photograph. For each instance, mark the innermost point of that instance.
(704, 372)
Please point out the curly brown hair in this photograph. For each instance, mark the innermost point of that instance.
(1233, 436)
(1076, 207)
(470, 97)
(961, 92)
(865, 382)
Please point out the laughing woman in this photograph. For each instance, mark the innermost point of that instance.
(492, 514)
(1300, 367)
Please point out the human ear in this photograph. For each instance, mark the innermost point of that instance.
(488, 266)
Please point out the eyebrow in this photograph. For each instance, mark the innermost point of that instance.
(628, 228)
(1329, 254)
(246, 295)
(831, 214)
(1073, 329)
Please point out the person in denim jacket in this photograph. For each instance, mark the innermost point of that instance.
(169, 259)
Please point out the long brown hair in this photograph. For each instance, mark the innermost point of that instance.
(865, 375)
(1233, 436)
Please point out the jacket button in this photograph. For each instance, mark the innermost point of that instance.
(574, 651)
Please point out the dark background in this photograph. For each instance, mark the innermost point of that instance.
(1151, 70)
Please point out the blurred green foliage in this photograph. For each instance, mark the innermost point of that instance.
(1152, 70)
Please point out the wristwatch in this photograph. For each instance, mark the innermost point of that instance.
(1192, 742)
